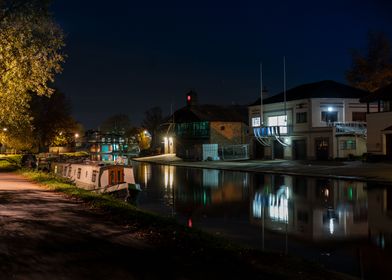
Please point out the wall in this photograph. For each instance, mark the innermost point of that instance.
(376, 122)
(228, 133)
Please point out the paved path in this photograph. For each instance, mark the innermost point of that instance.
(44, 235)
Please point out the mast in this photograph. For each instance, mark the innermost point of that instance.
(284, 87)
(261, 95)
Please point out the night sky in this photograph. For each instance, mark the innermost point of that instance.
(126, 57)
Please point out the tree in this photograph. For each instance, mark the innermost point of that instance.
(30, 57)
(152, 121)
(117, 123)
(52, 121)
(374, 69)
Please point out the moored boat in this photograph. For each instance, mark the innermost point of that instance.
(98, 177)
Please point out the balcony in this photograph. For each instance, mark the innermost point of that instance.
(351, 128)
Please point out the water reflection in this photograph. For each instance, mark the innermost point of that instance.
(312, 208)
(275, 212)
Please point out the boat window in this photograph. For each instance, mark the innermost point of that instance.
(111, 177)
(94, 176)
(79, 172)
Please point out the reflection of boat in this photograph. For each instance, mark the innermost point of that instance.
(98, 177)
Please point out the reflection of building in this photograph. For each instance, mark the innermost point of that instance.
(379, 139)
(380, 216)
(318, 121)
(312, 208)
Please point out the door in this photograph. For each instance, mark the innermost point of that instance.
(299, 149)
(388, 140)
(258, 150)
(322, 148)
(278, 150)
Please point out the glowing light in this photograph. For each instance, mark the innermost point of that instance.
(76, 135)
(331, 226)
(5, 129)
(190, 224)
(188, 98)
(330, 109)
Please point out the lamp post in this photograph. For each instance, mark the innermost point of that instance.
(76, 139)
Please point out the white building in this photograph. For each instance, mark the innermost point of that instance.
(379, 139)
(320, 120)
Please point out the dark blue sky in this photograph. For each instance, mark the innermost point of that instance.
(126, 57)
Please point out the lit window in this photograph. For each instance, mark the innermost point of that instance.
(329, 117)
(255, 121)
(348, 145)
(280, 121)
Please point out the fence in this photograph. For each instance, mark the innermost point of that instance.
(234, 152)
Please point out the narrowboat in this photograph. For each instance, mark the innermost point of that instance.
(98, 177)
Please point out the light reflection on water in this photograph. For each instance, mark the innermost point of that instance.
(304, 216)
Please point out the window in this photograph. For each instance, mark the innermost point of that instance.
(94, 176)
(79, 172)
(301, 117)
(256, 121)
(359, 116)
(69, 171)
(280, 121)
(111, 177)
(347, 145)
(329, 117)
(119, 176)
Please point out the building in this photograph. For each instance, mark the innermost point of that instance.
(379, 122)
(208, 132)
(321, 120)
(110, 146)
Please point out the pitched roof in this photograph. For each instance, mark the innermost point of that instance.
(384, 93)
(197, 113)
(322, 89)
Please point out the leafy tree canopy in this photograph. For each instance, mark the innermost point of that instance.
(30, 56)
(117, 123)
(152, 119)
(372, 70)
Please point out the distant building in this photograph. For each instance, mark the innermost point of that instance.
(109, 146)
(207, 132)
(321, 120)
(379, 122)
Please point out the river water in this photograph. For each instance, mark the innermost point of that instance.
(344, 225)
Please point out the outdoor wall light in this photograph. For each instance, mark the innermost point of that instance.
(330, 109)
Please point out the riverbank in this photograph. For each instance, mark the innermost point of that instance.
(55, 230)
(351, 170)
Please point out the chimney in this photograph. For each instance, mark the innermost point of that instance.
(191, 98)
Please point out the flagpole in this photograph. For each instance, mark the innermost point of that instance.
(261, 95)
